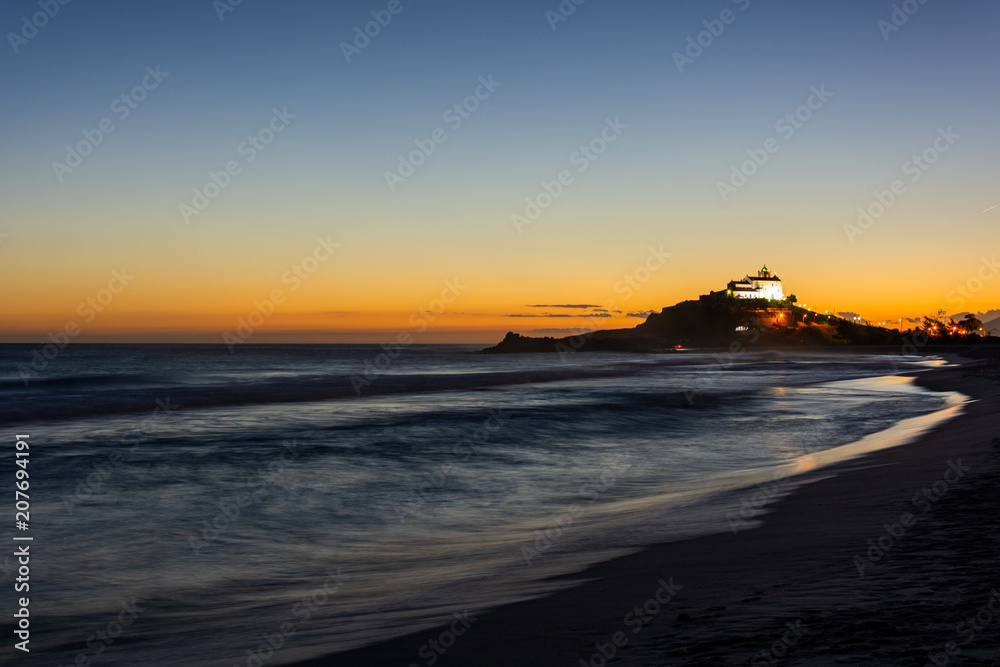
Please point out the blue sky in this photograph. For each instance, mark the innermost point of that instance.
(558, 87)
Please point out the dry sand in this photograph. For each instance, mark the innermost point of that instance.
(810, 586)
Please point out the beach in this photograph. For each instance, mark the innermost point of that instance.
(423, 334)
(473, 509)
(888, 559)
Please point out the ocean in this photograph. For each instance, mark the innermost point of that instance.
(192, 506)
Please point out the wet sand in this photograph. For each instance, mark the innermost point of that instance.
(893, 560)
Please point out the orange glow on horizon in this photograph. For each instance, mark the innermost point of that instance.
(347, 300)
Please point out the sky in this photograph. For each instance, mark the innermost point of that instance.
(187, 171)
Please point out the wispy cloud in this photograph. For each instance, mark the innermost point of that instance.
(559, 315)
(561, 331)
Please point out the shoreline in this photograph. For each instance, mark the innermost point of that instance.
(808, 582)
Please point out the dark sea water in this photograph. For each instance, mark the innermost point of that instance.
(220, 496)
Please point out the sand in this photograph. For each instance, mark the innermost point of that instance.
(860, 567)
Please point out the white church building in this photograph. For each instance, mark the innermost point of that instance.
(765, 285)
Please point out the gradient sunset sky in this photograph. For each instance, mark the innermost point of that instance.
(444, 238)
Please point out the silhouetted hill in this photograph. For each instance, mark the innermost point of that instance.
(713, 322)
